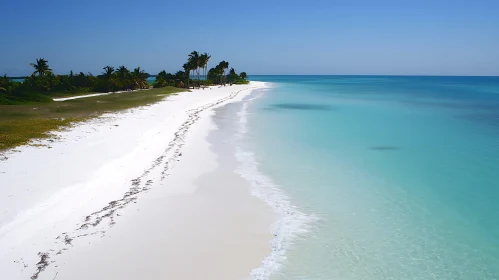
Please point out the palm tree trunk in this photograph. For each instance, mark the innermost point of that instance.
(194, 77)
(199, 80)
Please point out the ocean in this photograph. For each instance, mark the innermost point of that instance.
(375, 177)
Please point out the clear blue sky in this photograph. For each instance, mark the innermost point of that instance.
(439, 37)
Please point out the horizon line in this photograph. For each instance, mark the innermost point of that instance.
(367, 75)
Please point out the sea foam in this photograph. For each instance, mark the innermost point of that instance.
(290, 222)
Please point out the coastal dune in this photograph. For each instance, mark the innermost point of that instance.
(133, 195)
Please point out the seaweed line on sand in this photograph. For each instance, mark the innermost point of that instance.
(137, 186)
(3, 157)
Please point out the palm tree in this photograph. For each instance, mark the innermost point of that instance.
(203, 62)
(139, 78)
(212, 75)
(219, 72)
(108, 76)
(195, 62)
(206, 64)
(123, 77)
(192, 66)
(41, 67)
(243, 75)
(122, 72)
(232, 76)
(162, 74)
(108, 72)
(179, 76)
(202, 59)
(222, 66)
(187, 69)
(161, 79)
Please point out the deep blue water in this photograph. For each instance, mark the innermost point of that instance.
(401, 173)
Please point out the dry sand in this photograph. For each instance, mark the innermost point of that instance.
(136, 195)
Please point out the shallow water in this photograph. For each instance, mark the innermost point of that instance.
(398, 176)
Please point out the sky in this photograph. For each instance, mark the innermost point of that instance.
(349, 37)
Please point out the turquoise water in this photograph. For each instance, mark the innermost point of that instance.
(397, 176)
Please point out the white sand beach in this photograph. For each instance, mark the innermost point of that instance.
(132, 195)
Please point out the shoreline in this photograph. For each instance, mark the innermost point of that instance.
(289, 222)
(59, 208)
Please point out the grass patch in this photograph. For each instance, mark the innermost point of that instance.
(21, 123)
(24, 98)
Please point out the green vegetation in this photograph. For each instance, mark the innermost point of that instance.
(27, 109)
(197, 63)
(43, 85)
(21, 123)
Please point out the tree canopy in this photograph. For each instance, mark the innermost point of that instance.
(41, 67)
(43, 82)
(195, 64)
